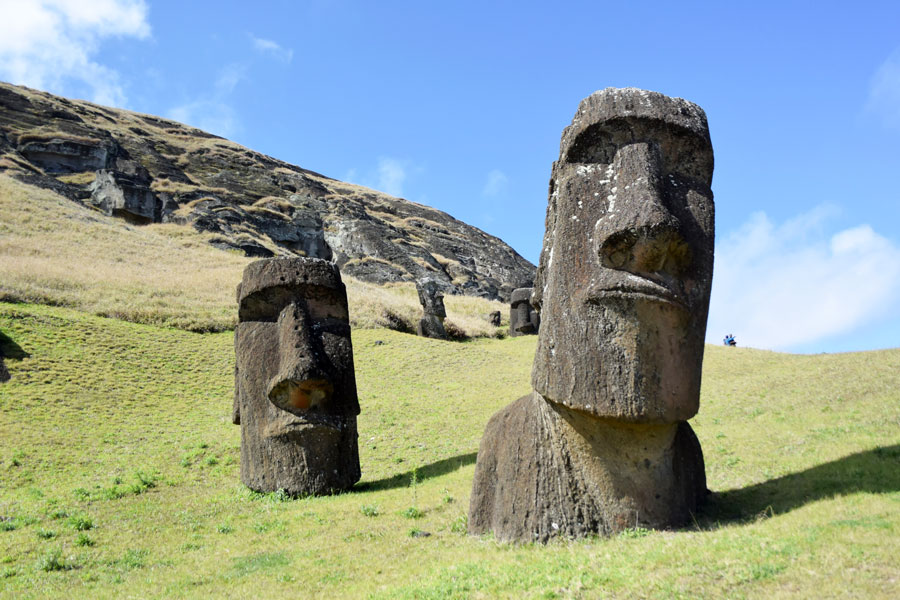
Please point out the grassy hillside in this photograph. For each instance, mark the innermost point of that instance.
(119, 475)
(54, 251)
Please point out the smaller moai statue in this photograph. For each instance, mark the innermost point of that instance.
(523, 319)
(295, 388)
(432, 322)
(494, 318)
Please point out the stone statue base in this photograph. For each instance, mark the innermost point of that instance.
(544, 470)
(432, 327)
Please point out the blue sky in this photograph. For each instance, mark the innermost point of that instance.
(460, 105)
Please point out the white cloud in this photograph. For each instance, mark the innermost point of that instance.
(272, 48)
(780, 286)
(212, 112)
(884, 91)
(391, 175)
(210, 115)
(496, 185)
(50, 44)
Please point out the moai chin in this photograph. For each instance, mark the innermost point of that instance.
(602, 444)
(432, 300)
(523, 319)
(295, 387)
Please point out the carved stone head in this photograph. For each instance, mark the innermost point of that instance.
(523, 319)
(431, 298)
(626, 266)
(295, 387)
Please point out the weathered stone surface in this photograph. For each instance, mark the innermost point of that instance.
(250, 202)
(523, 319)
(432, 300)
(545, 470)
(4, 372)
(295, 386)
(126, 192)
(62, 155)
(623, 285)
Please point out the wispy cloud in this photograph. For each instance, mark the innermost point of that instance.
(50, 44)
(389, 176)
(884, 91)
(779, 286)
(273, 49)
(213, 112)
(496, 184)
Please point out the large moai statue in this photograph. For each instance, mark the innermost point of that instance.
(603, 444)
(432, 322)
(295, 387)
(523, 319)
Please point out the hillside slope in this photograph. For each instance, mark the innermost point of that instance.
(55, 251)
(119, 477)
(149, 170)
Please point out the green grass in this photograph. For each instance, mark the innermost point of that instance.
(117, 438)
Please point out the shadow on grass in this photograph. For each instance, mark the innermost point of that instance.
(435, 469)
(874, 471)
(10, 349)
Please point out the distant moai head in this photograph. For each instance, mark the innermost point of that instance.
(295, 387)
(626, 266)
(495, 318)
(523, 319)
(431, 298)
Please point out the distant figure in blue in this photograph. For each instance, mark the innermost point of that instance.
(729, 340)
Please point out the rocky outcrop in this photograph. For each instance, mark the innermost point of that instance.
(147, 169)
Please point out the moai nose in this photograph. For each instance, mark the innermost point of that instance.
(300, 384)
(640, 235)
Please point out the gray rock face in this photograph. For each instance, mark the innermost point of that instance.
(295, 386)
(248, 201)
(126, 192)
(432, 300)
(523, 319)
(66, 155)
(623, 292)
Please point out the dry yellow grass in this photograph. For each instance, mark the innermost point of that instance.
(54, 251)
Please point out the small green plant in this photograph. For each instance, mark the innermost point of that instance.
(52, 561)
(59, 514)
(80, 523)
(224, 528)
(460, 524)
(8, 525)
(46, 534)
(416, 532)
(413, 513)
(212, 460)
(635, 532)
(17, 458)
(82, 494)
(83, 540)
(8, 572)
(369, 510)
(447, 498)
(132, 559)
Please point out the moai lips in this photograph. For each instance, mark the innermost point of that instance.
(295, 388)
(603, 443)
